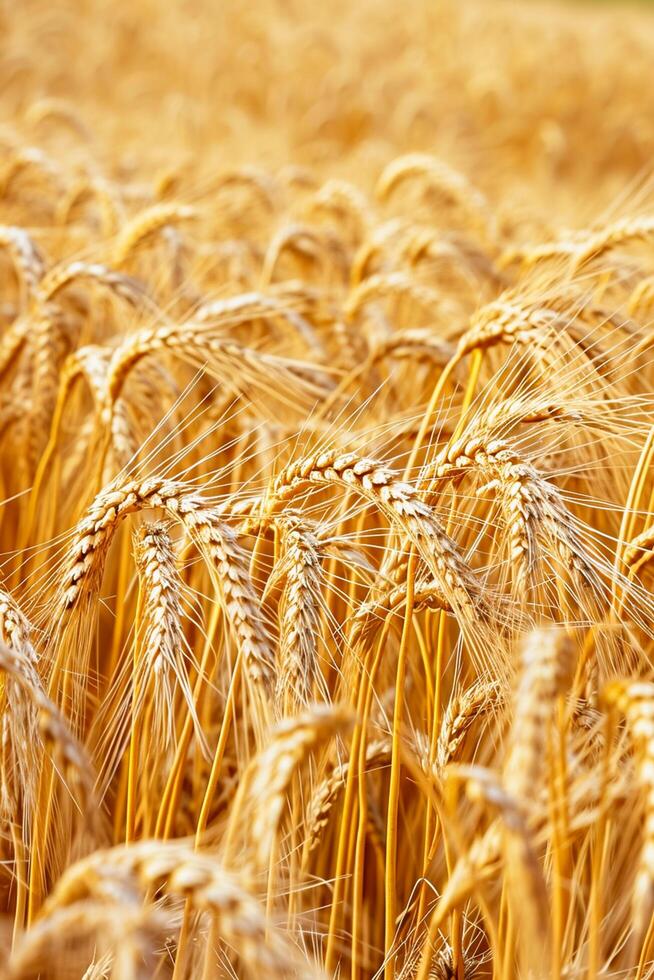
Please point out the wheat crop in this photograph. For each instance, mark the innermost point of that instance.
(326, 490)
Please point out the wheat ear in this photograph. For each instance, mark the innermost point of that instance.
(636, 701)
(176, 870)
(262, 793)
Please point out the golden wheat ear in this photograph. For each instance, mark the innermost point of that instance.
(636, 701)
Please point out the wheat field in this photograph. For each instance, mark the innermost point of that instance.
(327, 483)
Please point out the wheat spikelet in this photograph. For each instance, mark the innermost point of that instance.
(326, 794)
(242, 369)
(262, 793)
(56, 109)
(641, 299)
(17, 664)
(90, 362)
(477, 866)
(639, 551)
(253, 179)
(415, 345)
(146, 225)
(222, 546)
(50, 343)
(370, 615)
(636, 701)
(565, 247)
(372, 250)
(397, 285)
(15, 628)
(27, 159)
(27, 260)
(97, 189)
(124, 442)
(161, 641)
(84, 562)
(380, 484)
(621, 232)
(460, 254)
(12, 343)
(127, 928)
(200, 878)
(506, 322)
(546, 666)
(462, 711)
(298, 667)
(307, 244)
(93, 534)
(347, 202)
(580, 248)
(21, 714)
(58, 279)
(246, 307)
(532, 503)
(442, 179)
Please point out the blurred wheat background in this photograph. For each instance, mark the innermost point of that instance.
(327, 524)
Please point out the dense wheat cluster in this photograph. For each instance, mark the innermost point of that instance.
(327, 480)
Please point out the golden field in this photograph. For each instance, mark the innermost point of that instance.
(327, 534)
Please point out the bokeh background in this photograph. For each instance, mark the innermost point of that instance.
(341, 87)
